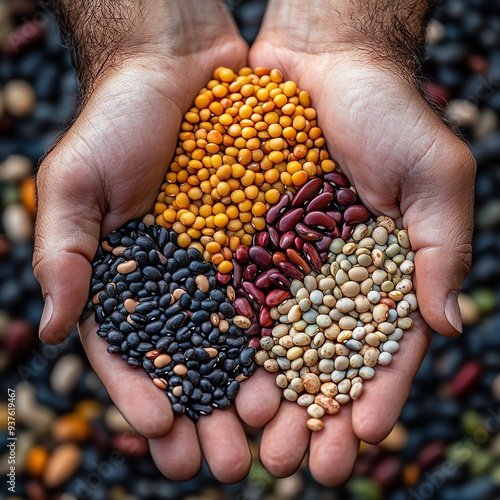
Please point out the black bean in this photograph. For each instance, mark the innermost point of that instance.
(197, 394)
(217, 393)
(217, 295)
(145, 242)
(206, 326)
(169, 249)
(222, 403)
(195, 305)
(115, 337)
(184, 302)
(206, 385)
(227, 310)
(216, 376)
(181, 275)
(187, 387)
(136, 287)
(145, 307)
(209, 305)
(229, 365)
(182, 257)
(133, 362)
(172, 265)
(192, 364)
(193, 376)
(235, 341)
(232, 389)
(179, 358)
(126, 327)
(117, 317)
(178, 409)
(173, 310)
(154, 258)
(143, 335)
(145, 347)
(190, 284)
(247, 355)
(141, 258)
(199, 295)
(207, 368)
(183, 334)
(194, 254)
(151, 287)
(148, 365)
(163, 343)
(196, 339)
(165, 300)
(200, 316)
(133, 339)
(199, 267)
(126, 241)
(205, 399)
(176, 321)
(113, 349)
(152, 273)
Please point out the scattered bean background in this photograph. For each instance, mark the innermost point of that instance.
(446, 444)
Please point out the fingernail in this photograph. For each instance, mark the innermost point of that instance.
(452, 311)
(46, 315)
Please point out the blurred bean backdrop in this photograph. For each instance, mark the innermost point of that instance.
(72, 443)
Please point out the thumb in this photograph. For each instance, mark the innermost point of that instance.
(440, 223)
(66, 238)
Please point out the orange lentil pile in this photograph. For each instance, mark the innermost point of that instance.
(248, 138)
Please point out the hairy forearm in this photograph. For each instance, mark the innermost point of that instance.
(389, 30)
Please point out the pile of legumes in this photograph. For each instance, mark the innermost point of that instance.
(259, 252)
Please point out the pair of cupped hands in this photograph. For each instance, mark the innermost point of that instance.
(107, 169)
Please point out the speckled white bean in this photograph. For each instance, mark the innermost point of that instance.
(390, 346)
(366, 372)
(385, 358)
(356, 390)
(305, 399)
(326, 366)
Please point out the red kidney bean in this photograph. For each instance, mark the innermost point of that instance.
(320, 202)
(275, 297)
(261, 257)
(280, 280)
(250, 272)
(254, 330)
(286, 240)
(265, 316)
(254, 292)
(223, 278)
(254, 342)
(335, 215)
(266, 332)
(312, 256)
(274, 236)
(307, 192)
(243, 307)
(335, 233)
(307, 233)
(276, 210)
(346, 231)
(262, 239)
(279, 257)
(345, 197)
(290, 219)
(298, 260)
(320, 220)
(338, 178)
(290, 270)
(299, 243)
(264, 280)
(237, 273)
(242, 253)
(356, 214)
(323, 244)
(329, 188)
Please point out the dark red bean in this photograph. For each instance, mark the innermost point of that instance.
(223, 279)
(320, 202)
(250, 272)
(264, 280)
(265, 317)
(261, 257)
(335, 215)
(346, 231)
(254, 330)
(335, 233)
(307, 192)
(266, 332)
(280, 280)
(323, 244)
(307, 233)
(279, 257)
(243, 307)
(323, 256)
(346, 197)
(242, 253)
(290, 219)
(329, 188)
(286, 240)
(320, 220)
(254, 292)
(298, 260)
(291, 270)
(262, 239)
(254, 342)
(274, 236)
(276, 210)
(276, 297)
(237, 273)
(338, 178)
(356, 214)
(299, 243)
(312, 256)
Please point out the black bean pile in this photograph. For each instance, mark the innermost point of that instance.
(161, 308)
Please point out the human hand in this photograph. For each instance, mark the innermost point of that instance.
(404, 163)
(106, 170)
